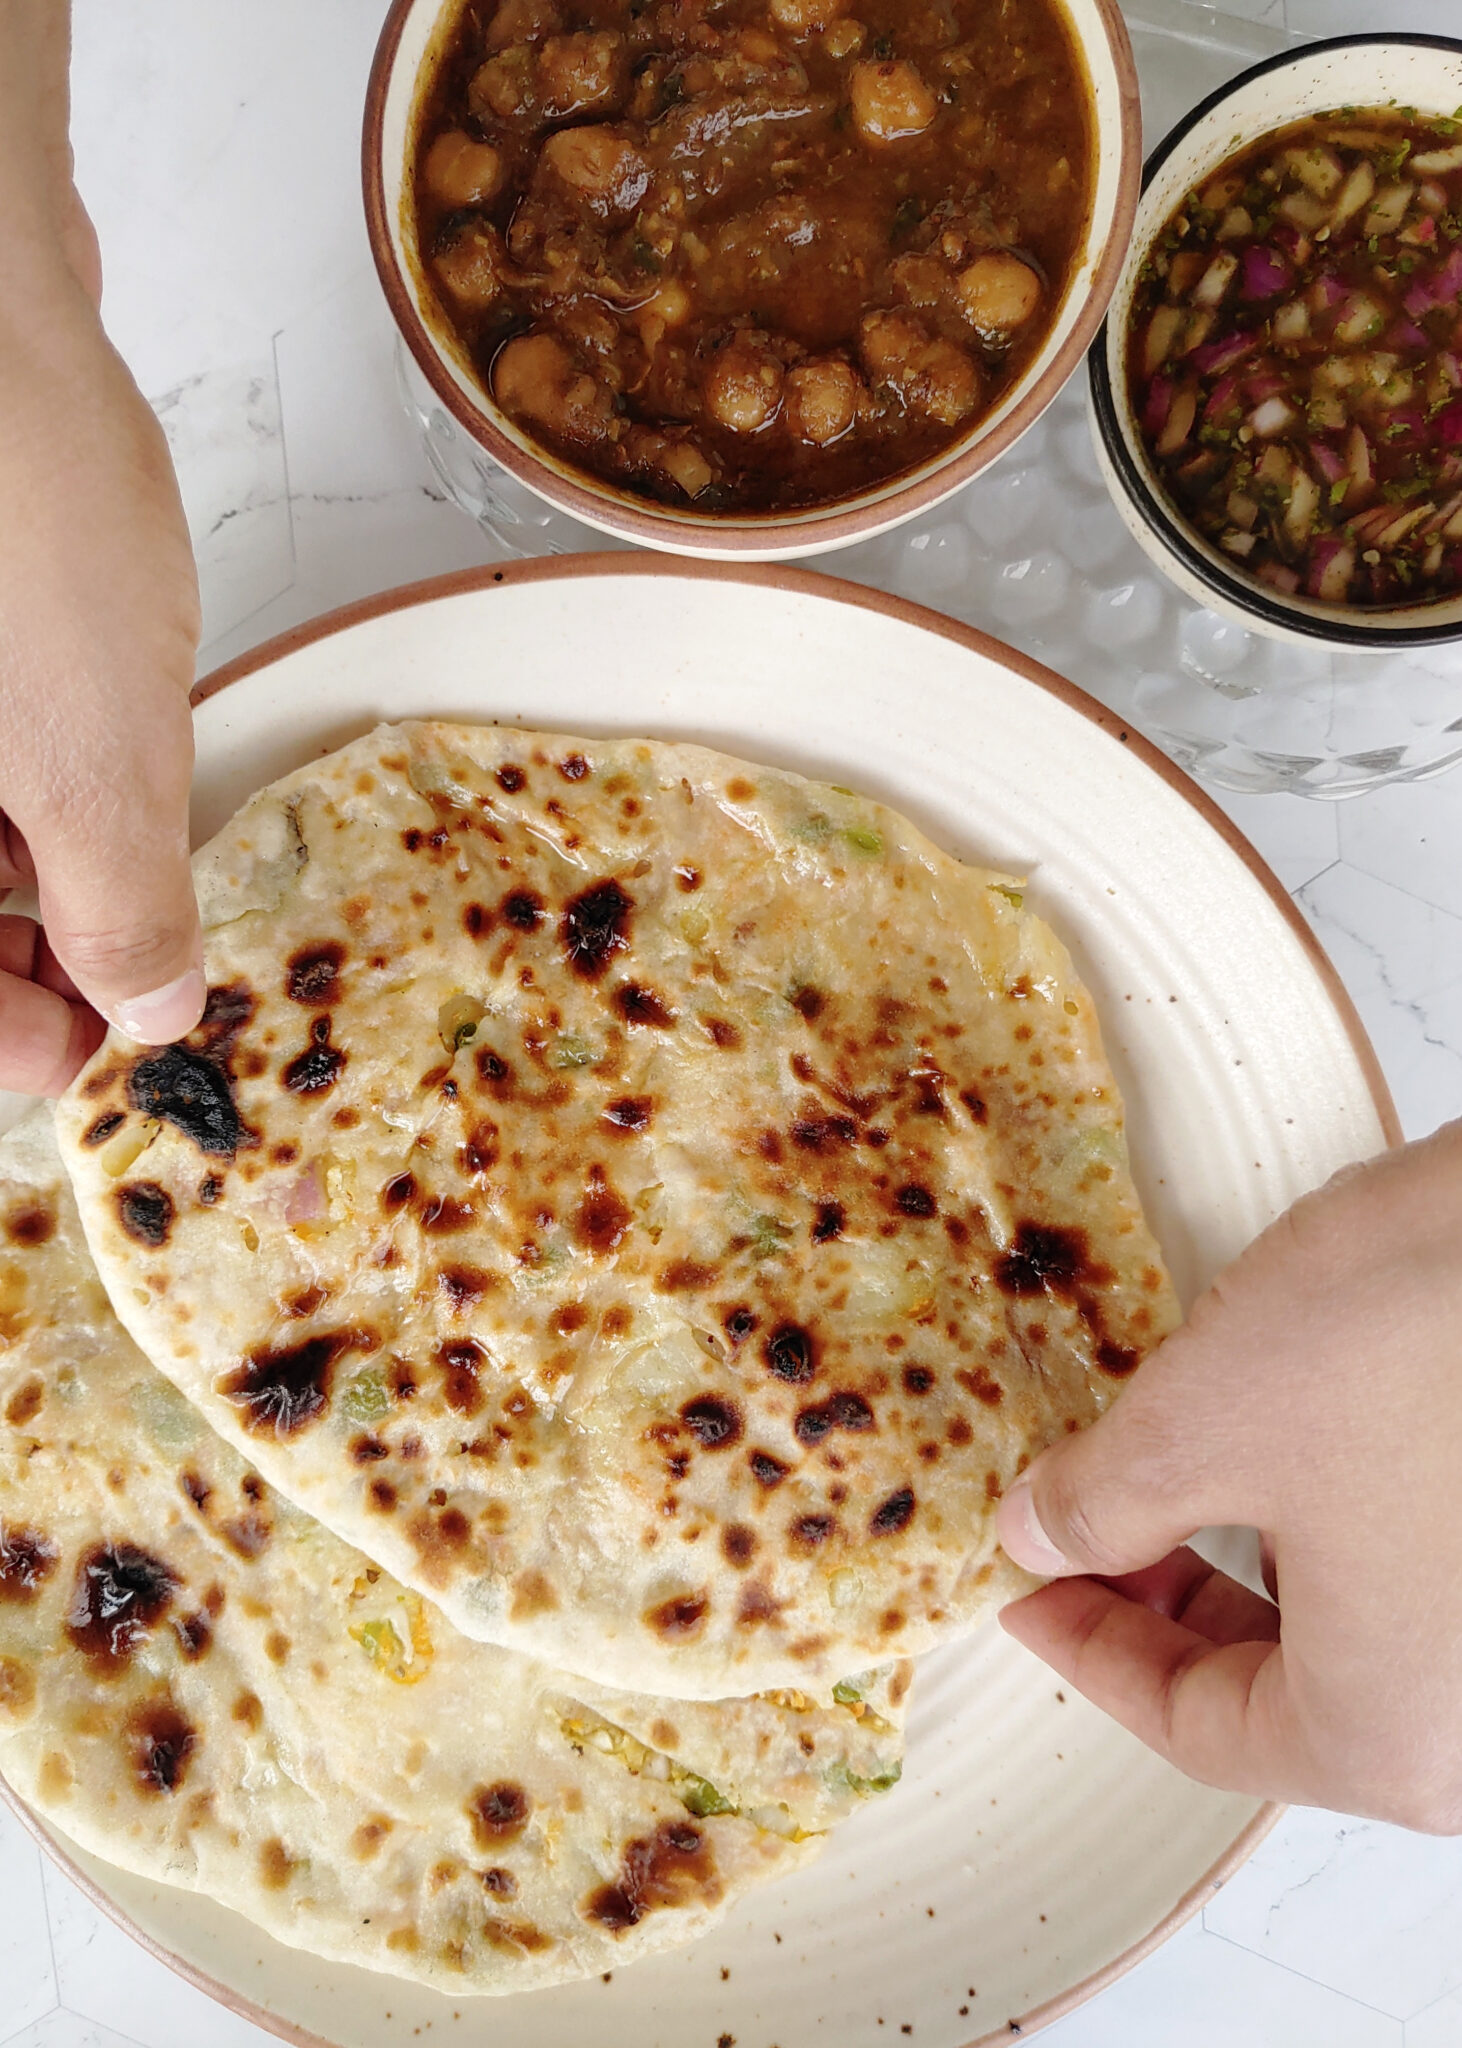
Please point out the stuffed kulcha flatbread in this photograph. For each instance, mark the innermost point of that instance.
(654, 1205)
(201, 1685)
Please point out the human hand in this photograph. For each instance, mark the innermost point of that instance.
(98, 625)
(1315, 1394)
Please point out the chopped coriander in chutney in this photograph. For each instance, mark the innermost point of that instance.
(1295, 358)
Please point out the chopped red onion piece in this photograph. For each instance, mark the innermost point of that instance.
(1443, 515)
(1217, 356)
(1405, 424)
(1332, 564)
(1223, 399)
(1369, 524)
(1406, 334)
(1159, 405)
(1265, 272)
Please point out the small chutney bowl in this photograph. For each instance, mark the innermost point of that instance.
(1417, 72)
(406, 56)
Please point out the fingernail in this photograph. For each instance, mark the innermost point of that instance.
(1023, 1538)
(165, 1014)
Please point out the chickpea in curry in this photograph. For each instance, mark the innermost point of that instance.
(751, 256)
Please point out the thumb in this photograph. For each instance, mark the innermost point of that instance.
(116, 890)
(1123, 1493)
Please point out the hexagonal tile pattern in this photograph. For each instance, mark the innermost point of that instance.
(1203, 1992)
(62, 2029)
(363, 510)
(226, 439)
(103, 1976)
(27, 1973)
(1440, 2026)
(1401, 960)
(1407, 836)
(1370, 1910)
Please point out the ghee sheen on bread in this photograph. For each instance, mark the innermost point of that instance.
(653, 1205)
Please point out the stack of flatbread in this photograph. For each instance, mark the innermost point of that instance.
(624, 1213)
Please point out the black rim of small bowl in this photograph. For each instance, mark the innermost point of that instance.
(1239, 590)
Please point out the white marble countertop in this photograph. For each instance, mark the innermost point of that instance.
(217, 145)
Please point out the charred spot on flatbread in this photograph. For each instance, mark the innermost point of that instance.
(462, 1361)
(161, 1741)
(640, 1006)
(894, 1514)
(29, 1224)
(671, 1152)
(595, 927)
(315, 1070)
(283, 1389)
(673, 1868)
(791, 1354)
(603, 1216)
(145, 1211)
(715, 1422)
(23, 1406)
(498, 1812)
(120, 1594)
(27, 1559)
(679, 1618)
(312, 974)
(182, 1087)
(1045, 1256)
(523, 909)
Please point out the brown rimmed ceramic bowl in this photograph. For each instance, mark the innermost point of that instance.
(410, 40)
(1034, 1850)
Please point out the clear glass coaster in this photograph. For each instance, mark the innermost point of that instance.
(1034, 553)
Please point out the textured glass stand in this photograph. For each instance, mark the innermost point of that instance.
(1033, 552)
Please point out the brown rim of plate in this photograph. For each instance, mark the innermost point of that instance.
(632, 519)
(809, 583)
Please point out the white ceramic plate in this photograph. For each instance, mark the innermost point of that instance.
(1033, 1849)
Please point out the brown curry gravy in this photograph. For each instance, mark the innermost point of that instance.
(752, 256)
